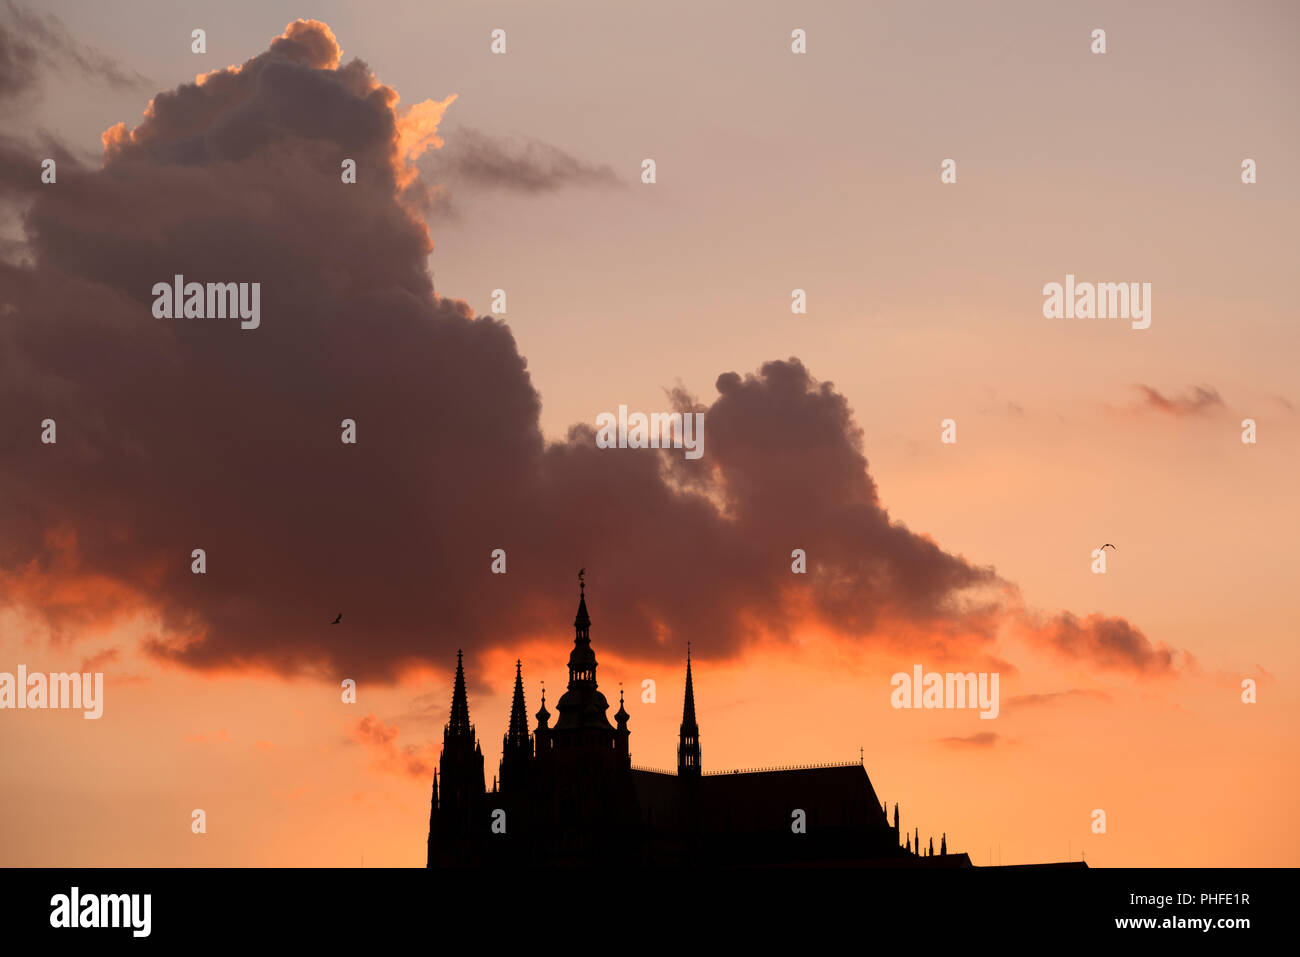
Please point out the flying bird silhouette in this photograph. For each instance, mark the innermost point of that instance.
(1109, 545)
(338, 619)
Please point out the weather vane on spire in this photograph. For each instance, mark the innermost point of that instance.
(582, 585)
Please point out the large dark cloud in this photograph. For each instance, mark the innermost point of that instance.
(182, 434)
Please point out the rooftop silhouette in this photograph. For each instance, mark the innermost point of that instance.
(568, 795)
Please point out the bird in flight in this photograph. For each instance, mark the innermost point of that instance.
(1109, 545)
(338, 619)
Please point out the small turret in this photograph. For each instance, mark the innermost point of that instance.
(621, 716)
(621, 732)
(543, 716)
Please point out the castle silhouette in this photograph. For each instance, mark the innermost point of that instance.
(568, 795)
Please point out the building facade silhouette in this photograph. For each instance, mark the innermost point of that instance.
(567, 795)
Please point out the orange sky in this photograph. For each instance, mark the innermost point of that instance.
(925, 300)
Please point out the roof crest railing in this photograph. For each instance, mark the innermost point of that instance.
(789, 767)
(775, 767)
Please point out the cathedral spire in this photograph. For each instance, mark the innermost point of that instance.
(582, 660)
(458, 723)
(517, 730)
(460, 788)
(688, 746)
(688, 707)
(582, 706)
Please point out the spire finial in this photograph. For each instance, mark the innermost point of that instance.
(582, 621)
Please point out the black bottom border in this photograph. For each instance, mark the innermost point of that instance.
(815, 906)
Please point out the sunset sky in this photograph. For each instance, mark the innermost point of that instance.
(775, 171)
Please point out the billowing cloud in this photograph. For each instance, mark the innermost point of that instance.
(181, 434)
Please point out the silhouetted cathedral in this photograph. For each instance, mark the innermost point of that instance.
(568, 795)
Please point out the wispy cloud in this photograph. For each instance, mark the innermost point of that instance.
(1106, 642)
(1199, 399)
(513, 163)
(381, 740)
(985, 739)
(1053, 697)
(31, 42)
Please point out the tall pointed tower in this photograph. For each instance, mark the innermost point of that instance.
(582, 708)
(583, 774)
(688, 744)
(517, 745)
(457, 824)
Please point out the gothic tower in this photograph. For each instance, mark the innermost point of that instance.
(583, 766)
(457, 825)
(582, 708)
(688, 744)
(517, 745)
